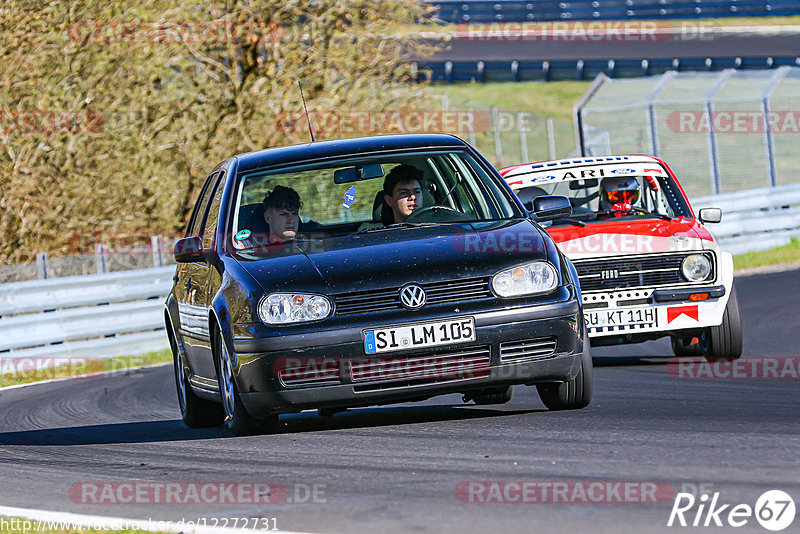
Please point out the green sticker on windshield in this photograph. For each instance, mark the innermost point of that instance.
(242, 235)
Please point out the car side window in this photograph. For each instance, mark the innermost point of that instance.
(213, 213)
(200, 210)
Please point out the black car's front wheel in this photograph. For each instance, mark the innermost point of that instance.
(237, 419)
(573, 394)
(195, 412)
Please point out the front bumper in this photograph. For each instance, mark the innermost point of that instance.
(640, 314)
(497, 357)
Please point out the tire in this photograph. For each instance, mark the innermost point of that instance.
(575, 394)
(235, 415)
(493, 396)
(681, 348)
(724, 342)
(195, 412)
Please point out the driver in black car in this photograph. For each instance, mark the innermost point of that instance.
(402, 191)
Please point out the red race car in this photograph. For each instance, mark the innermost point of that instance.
(648, 267)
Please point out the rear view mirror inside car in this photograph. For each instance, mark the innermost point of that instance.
(583, 184)
(359, 172)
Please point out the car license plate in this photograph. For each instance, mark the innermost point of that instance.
(419, 335)
(634, 316)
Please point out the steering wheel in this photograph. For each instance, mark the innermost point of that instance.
(438, 213)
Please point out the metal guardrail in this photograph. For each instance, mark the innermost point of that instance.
(102, 315)
(471, 11)
(757, 219)
(105, 315)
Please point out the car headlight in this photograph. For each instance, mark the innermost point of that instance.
(696, 267)
(285, 308)
(528, 279)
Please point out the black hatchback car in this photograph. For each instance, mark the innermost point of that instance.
(339, 294)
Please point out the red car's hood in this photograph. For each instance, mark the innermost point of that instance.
(629, 236)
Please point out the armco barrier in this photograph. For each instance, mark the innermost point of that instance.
(756, 219)
(101, 315)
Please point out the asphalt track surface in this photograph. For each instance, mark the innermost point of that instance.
(755, 44)
(397, 468)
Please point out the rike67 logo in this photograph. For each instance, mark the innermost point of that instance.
(774, 510)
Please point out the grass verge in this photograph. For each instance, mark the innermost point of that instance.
(26, 370)
(789, 253)
(551, 99)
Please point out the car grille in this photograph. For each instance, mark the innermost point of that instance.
(306, 373)
(643, 271)
(527, 349)
(403, 371)
(451, 291)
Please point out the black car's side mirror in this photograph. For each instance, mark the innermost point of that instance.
(189, 250)
(549, 207)
(710, 215)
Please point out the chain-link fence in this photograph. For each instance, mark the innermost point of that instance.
(507, 137)
(101, 259)
(720, 132)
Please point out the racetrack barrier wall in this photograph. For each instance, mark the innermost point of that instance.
(97, 316)
(757, 219)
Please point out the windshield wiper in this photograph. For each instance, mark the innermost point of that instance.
(570, 221)
(394, 226)
(636, 211)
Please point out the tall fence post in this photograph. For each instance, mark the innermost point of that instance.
(716, 184)
(472, 127)
(498, 144)
(551, 138)
(772, 167)
(157, 244)
(101, 256)
(523, 136)
(42, 266)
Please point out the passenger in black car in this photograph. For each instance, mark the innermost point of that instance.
(402, 191)
(281, 211)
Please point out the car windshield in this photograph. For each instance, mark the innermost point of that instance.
(346, 197)
(596, 200)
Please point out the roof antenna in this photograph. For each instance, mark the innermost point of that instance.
(305, 108)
